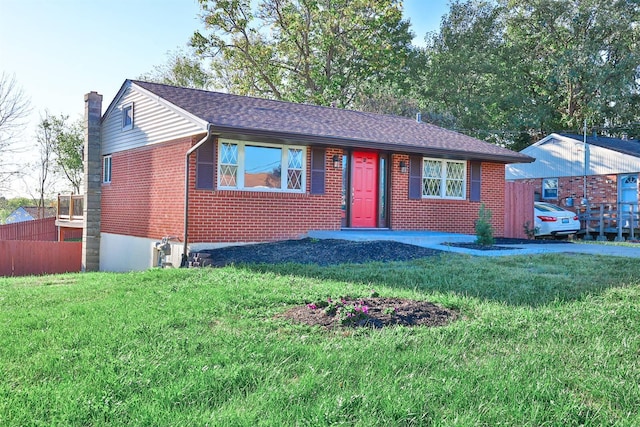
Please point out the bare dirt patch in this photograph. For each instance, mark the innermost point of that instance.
(381, 312)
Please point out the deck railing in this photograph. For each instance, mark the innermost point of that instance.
(70, 207)
(605, 218)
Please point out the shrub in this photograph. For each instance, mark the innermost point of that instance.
(484, 229)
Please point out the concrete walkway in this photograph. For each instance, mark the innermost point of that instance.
(436, 240)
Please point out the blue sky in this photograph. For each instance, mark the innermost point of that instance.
(59, 50)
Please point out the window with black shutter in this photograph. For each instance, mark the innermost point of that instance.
(476, 173)
(415, 177)
(205, 166)
(318, 170)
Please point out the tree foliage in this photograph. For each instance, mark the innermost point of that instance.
(325, 52)
(182, 69)
(535, 66)
(61, 145)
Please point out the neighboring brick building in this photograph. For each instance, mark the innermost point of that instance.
(262, 170)
(565, 168)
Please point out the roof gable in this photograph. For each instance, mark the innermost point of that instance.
(565, 155)
(248, 116)
(624, 146)
(29, 213)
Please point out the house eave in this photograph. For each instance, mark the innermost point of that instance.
(259, 135)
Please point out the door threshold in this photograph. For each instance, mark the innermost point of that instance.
(364, 229)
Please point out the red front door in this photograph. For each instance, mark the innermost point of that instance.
(364, 195)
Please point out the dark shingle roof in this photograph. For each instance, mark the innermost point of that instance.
(34, 211)
(624, 146)
(242, 115)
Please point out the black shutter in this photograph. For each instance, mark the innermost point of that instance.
(318, 170)
(205, 166)
(415, 177)
(476, 173)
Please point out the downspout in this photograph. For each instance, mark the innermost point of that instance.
(185, 256)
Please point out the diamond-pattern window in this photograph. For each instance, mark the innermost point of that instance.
(294, 180)
(443, 178)
(455, 179)
(431, 178)
(295, 158)
(228, 165)
(261, 167)
(294, 173)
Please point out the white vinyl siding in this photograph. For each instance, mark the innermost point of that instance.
(560, 156)
(154, 122)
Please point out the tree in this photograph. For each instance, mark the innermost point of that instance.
(581, 56)
(512, 70)
(67, 141)
(14, 108)
(182, 69)
(324, 52)
(464, 69)
(45, 145)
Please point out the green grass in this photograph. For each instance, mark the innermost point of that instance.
(542, 341)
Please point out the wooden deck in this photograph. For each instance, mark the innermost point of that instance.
(605, 221)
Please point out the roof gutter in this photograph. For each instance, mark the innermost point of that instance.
(185, 249)
(325, 140)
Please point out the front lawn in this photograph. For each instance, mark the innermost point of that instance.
(539, 340)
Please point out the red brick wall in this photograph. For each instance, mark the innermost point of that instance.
(145, 199)
(600, 189)
(251, 216)
(146, 195)
(456, 216)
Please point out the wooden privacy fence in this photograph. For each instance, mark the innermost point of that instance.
(518, 209)
(39, 229)
(27, 257)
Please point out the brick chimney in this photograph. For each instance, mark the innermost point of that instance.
(92, 182)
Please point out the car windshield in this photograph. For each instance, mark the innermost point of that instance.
(547, 207)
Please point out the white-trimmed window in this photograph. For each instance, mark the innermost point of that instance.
(127, 116)
(550, 188)
(106, 169)
(444, 179)
(261, 167)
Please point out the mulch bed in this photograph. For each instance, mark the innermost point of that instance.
(381, 312)
(497, 246)
(316, 251)
(334, 251)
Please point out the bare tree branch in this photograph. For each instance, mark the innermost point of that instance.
(14, 108)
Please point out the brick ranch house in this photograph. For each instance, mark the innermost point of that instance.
(262, 170)
(570, 173)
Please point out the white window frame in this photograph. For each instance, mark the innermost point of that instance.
(241, 166)
(125, 125)
(443, 179)
(106, 169)
(544, 194)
